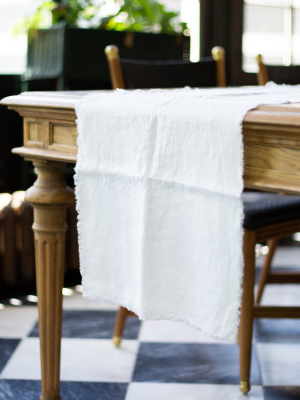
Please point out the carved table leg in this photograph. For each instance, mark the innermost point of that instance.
(49, 197)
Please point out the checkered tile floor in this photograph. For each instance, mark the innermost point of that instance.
(157, 360)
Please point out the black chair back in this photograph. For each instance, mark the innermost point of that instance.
(169, 74)
(281, 74)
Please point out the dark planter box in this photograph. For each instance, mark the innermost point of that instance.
(15, 173)
(74, 58)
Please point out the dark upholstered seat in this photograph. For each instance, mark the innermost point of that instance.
(168, 74)
(263, 209)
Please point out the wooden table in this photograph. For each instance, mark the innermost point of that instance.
(272, 162)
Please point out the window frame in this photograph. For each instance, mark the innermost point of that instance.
(221, 24)
(289, 8)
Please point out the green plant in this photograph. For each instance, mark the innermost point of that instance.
(134, 15)
(71, 11)
(52, 12)
(40, 19)
(143, 15)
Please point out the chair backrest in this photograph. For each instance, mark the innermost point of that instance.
(277, 73)
(135, 74)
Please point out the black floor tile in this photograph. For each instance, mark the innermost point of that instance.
(277, 268)
(30, 390)
(93, 325)
(277, 330)
(7, 347)
(190, 363)
(282, 392)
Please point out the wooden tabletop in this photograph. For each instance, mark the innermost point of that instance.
(271, 136)
(286, 113)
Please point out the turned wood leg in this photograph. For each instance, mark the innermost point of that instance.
(120, 325)
(49, 197)
(121, 318)
(246, 321)
(264, 274)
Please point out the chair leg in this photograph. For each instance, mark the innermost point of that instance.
(246, 320)
(264, 274)
(120, 325)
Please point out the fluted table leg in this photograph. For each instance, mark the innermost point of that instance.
(49, 197)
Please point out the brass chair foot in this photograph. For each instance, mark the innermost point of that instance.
(244, 387)
(117, 340)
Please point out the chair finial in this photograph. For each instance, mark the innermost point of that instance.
(111, 52)
(218, 53)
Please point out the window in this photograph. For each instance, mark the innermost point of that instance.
(12, 48)
(271, 28)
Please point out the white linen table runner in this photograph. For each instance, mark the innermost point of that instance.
(158, 189)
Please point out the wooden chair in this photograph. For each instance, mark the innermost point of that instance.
(288, 75)
(267, 216)
(134, 74)
(280, 74)
(262, 75)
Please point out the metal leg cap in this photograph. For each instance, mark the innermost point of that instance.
(117, 341)
(244, 387)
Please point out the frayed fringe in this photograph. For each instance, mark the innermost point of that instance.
(77, 201)
(147, 317)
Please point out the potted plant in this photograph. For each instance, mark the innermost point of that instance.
(60, 50)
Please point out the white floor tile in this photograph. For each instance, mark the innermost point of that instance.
(287, 257)
(284, 295)
(17, 322)
(168, 331)
(284, 257)
(279, 364)
(77, 302)
(87, 360)
(168, 391)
